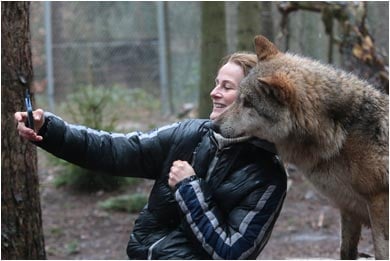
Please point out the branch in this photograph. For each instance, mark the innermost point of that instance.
(356, 46)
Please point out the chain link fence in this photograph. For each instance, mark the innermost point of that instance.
(115, 44)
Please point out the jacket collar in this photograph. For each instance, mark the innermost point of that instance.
(223, 142)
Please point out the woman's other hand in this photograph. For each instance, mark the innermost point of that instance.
(179, 171)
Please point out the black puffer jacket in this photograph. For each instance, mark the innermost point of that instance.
(226, 212)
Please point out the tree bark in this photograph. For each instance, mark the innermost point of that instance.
(249, 24)
(267, 19)
(253, 18)
(213, 48)
(21, 224)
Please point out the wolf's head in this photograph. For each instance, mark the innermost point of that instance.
(263, 106)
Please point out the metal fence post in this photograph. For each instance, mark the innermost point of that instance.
(49, 56)
(166, 104)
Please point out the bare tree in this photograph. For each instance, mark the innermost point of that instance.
(356, 44)
(21, 224)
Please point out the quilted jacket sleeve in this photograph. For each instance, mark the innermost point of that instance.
(134, 154)
(243, 232)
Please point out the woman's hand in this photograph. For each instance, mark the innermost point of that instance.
(24, 131)
(179, 171)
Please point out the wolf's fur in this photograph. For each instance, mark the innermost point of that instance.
(331, 125)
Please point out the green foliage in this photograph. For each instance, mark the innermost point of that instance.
(109, 105)
(72, 247)
(138, 98)
(129, 203)
(88, 106)
(56, 231)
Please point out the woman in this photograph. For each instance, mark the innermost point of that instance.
(213, 198)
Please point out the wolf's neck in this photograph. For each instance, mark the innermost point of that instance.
(306, 156)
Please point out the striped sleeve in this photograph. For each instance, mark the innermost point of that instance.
(217, 235)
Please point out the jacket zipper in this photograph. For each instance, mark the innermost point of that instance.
(212, 166)
(217, 155)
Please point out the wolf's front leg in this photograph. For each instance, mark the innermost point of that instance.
(378, 207)
(350, 235)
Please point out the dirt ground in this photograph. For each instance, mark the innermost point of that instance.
(76, 228)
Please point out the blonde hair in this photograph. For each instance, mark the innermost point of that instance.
(245, 60)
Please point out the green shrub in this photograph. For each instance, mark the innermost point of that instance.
(89, 106)
(72, 247)
(130, 203)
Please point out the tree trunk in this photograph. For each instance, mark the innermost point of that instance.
(21, 227)
(267, 19)
(249, 24)
(213, 48)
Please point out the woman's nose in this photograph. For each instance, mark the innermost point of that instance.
(215, 93)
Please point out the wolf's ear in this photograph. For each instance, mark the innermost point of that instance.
(265, 49)
(279, 87)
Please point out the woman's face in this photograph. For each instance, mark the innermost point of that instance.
(226, 88)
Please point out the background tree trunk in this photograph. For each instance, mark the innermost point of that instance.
(21, 227)
(249, 24)
(253, 18)
(266, 20)
(213, 48)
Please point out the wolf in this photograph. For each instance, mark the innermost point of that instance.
(331, 125)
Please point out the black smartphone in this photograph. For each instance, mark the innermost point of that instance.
(29, 108)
